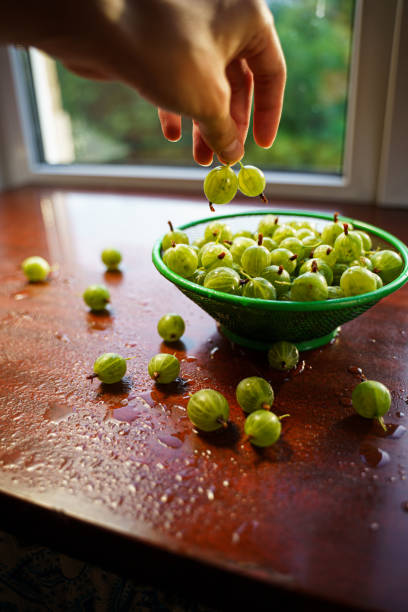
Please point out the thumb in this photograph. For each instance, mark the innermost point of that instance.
(220, 132)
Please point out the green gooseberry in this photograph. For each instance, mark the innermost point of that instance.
(251, 180)
(338, 270)
(371, 400)
(334, 292)
(269, 243)
(263, 428)
(348, 245)
(255, 259)
(364, 262)
(36, 269)
(282, 232)
(319, 265)
(164, 368)
(198, 277)
(331, 231)
(278, 277)
(357, 280)
(111, 258)
(220, 185)
(222, 279)
(174, 237)
(387, 264)
(216, 230)
(294, 245)
(283, 355)
(326, 253)
(215, 255)
(367, 242)
(259, 288)
(181, 259)
(254, 393)
(208, 410)
(303, 232)
(110, 368)
(283, 257)
(171, 327)
(239, 245)
(309, 287)
(96, 297)
(268, 225)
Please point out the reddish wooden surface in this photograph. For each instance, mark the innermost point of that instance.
(309, 515)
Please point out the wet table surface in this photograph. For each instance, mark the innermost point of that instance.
(103, 471)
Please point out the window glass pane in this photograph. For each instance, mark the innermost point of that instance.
(90, 122)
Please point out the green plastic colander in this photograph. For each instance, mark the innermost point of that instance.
(256, 323)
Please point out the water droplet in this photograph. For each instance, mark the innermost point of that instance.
(57, 412)
(61, 336)
(235, 537)
(374, 526)
(225, 483)
(170, 441)
(357, 372)
(210, 494)
(20, 296)
(213, 351)
(395, 431)
(299, 369)
(373, 456)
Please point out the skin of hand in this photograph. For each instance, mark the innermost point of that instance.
(204, 59)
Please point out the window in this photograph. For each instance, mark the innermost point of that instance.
(71, 127)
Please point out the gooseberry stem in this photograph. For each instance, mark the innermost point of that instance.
(211, 207)
(155, 375)
(222, 422)
(345, 225)
(92, 376)
(263, 198)
(266, 406)
(170, 226)
(260, 239)
(382, 423)
(283, 416)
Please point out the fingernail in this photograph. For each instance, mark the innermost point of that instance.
(233, 152)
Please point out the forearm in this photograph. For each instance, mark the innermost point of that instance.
(37, 23)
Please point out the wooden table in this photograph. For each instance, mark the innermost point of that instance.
(110, 474)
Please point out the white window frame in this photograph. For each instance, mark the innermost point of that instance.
(372, 135)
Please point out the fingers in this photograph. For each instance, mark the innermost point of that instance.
(241, 83)
(202, 154)
(170, 124)
(269, 71)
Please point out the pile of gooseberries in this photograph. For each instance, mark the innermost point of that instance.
(282, 260)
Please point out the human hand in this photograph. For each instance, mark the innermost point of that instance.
(200, 58)
(203, 59)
